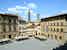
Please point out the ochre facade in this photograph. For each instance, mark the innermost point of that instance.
(8, 26)
(55, 27)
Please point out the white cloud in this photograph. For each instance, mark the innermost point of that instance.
(32, 5)
(21, 7)
(23, 10)
(12, 9)
(15, 10)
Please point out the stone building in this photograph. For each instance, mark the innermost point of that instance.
(21, 26)
(29, 28)
(37, 28)
(55, 27)
(8, 26)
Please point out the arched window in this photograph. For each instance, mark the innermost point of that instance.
(36, 32)
(61, 29)
(9, 36)
(51, 29)
(54, 29)
(48, 35)
(57, 29)
(60, 37)
(57, 24)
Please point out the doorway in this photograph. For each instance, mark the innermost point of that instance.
(9, 36)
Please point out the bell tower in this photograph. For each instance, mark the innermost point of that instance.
(29, 19)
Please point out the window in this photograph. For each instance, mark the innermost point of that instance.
(61, 29)
(38, 24)
(57, 29)
(51, 24)
(9, 28)
(51, 29)
(54, 29)
(15, 21)
(57, 24)
(61, 23)
(14, 28)
(9, 36)
(60, 37)
(39, 33)
(36, 32)
(4, 29)
(9, 20)
(54, 24)
(48, 35)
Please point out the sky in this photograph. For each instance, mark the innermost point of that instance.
(45, 8)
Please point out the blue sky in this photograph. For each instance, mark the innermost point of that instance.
(44, 7)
